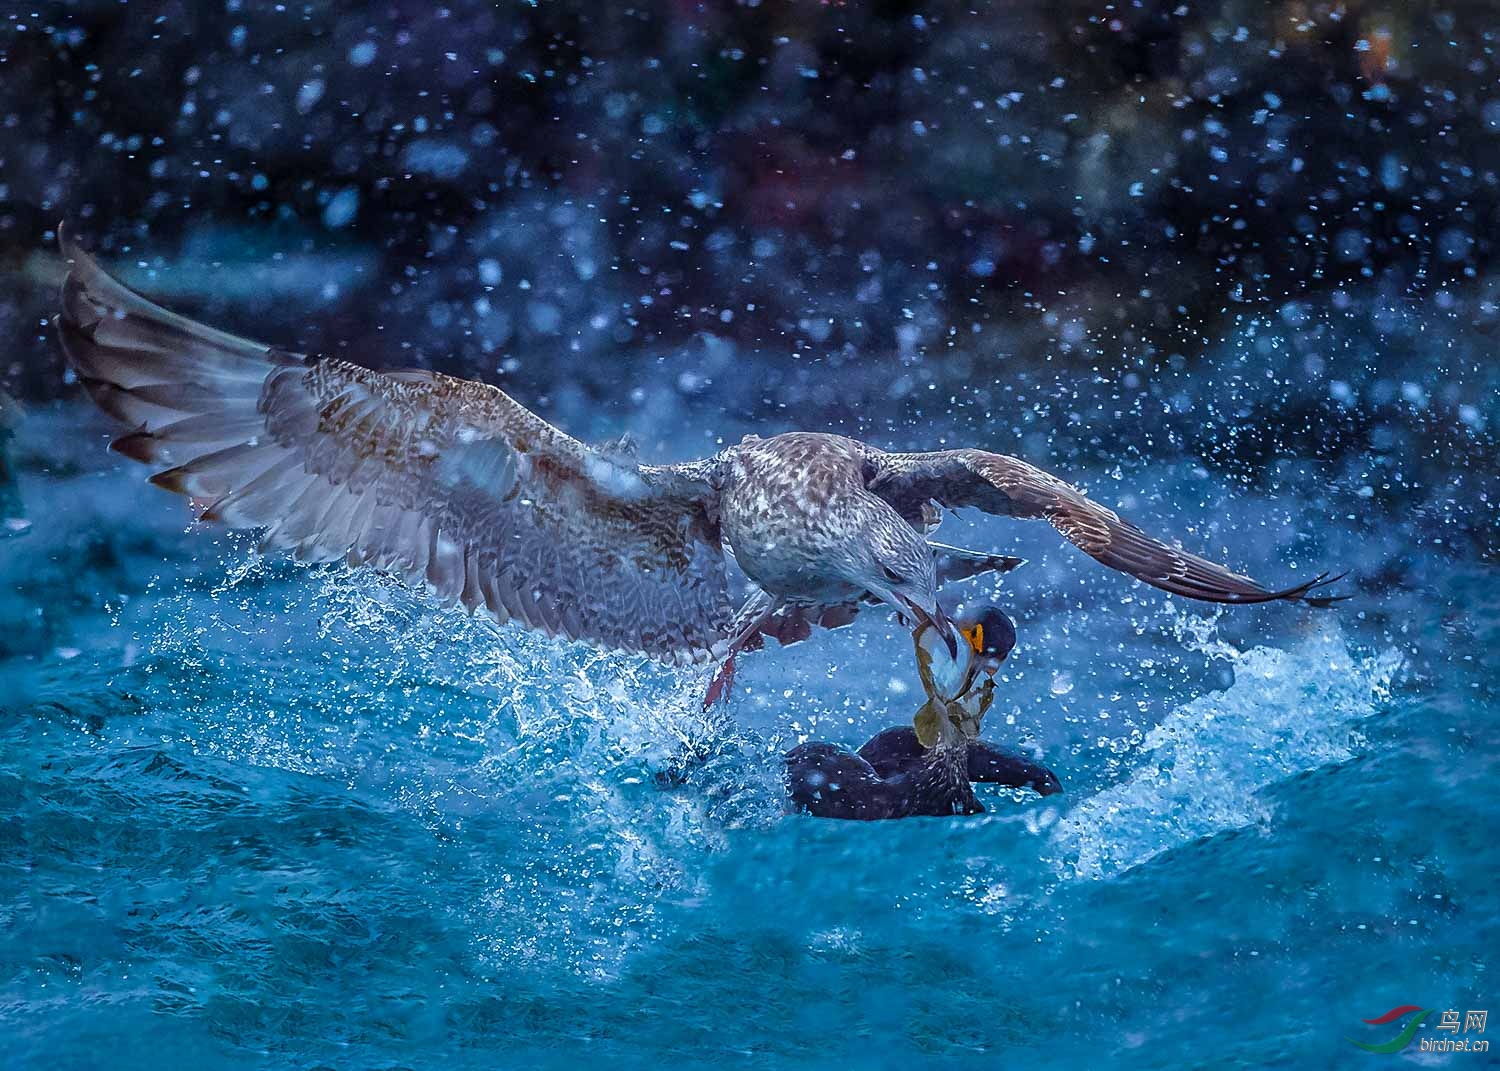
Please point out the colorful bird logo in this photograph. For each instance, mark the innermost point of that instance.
(1401, 1040)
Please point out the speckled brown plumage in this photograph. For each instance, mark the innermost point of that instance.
(457, 488)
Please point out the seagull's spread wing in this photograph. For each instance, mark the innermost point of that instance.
(447, 483)
(1010, 487)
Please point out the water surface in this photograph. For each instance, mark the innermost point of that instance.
(262, 815)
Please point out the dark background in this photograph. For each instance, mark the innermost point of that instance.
(1250, 233)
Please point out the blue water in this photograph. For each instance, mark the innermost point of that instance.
(257, 815)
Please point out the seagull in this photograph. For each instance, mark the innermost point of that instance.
(454, 487)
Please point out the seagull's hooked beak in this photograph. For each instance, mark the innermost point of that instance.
(936, 619)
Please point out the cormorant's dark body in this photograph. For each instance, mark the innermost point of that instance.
(897, 749)
(893, 776)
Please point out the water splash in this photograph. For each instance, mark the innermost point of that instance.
(1204, 766)
(539, 756)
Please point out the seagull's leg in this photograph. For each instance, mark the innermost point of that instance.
(722, 684)
(746, 625)
(744, 631)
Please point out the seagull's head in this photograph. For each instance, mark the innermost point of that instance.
(893, 562)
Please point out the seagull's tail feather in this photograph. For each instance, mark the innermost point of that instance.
(957, 563)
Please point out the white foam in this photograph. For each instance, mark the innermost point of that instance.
(1203, 768)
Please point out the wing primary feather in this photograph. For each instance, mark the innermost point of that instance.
(1008, 486)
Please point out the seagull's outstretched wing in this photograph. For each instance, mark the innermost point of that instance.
(1010, 487)
(448, 483)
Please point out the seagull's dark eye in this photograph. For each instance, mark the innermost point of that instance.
(893, 576)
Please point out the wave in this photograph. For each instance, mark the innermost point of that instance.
(1203, 768)
(540, 759)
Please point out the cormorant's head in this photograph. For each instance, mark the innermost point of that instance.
(990, 634)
